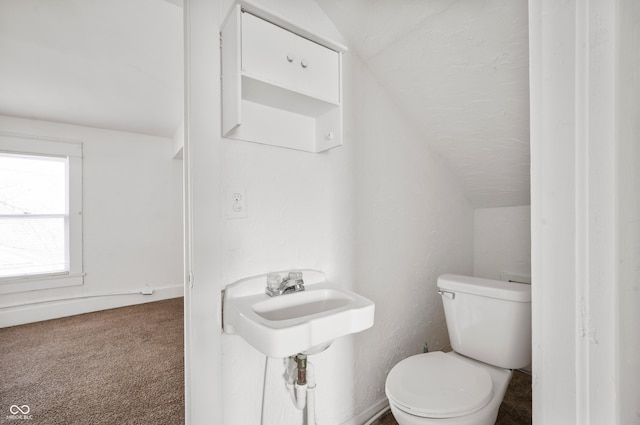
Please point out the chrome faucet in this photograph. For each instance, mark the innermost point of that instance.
(276, 285)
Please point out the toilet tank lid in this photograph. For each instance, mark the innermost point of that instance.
(512, 291)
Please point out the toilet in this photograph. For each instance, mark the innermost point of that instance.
(489, 324)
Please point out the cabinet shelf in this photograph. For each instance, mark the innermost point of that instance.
(279, 88)
(258, 91)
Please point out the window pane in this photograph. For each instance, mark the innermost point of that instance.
(33, 184)
(33, 215)
(32, 245)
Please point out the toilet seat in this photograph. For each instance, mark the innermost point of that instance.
(438, 385)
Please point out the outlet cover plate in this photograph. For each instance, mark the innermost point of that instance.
(234, 202)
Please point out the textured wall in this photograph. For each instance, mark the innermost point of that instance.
(413, 223)
(502, 241)
(459, 72)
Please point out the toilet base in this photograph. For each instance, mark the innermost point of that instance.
(486, 416)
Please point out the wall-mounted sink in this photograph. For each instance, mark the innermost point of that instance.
(306, 321)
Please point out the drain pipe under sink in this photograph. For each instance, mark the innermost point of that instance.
(311, 394)
(300, 385)
(303, 390)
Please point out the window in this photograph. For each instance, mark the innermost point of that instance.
(34, 215)
(40, 213)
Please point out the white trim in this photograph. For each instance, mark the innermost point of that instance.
(32, 215)
(574, 213)
(369, 413)
(55, 308)
(15, 143)
(188, 219)
(37, 282)
(581, 215)
(203, 226)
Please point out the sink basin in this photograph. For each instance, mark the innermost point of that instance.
(307, 303)
(288, 324)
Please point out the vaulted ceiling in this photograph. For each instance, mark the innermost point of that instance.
(457, 68)
(459, 71)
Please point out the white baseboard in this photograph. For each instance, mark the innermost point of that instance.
(369, 413)
(37, 312)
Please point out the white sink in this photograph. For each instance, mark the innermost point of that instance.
(288, 324)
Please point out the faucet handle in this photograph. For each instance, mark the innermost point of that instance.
(274, 280)
(295, 275)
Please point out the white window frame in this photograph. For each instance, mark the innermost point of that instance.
(31, 145)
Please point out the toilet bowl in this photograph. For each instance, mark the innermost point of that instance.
(445, 389)
(489, 324)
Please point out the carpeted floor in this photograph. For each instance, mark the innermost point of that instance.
(120, 366)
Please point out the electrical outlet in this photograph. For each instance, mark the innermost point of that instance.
(235, 202)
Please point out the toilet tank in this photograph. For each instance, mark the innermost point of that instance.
(488, 320)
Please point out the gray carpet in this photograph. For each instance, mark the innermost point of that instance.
(119, 366)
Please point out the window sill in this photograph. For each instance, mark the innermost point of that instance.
(39, 282)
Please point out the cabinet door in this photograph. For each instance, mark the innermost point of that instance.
(279, 57)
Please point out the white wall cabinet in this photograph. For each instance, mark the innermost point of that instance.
(279, 88)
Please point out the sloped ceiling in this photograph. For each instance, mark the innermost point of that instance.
(113, 64)
(457, 68)
(459, 71)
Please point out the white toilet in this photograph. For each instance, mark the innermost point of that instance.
(489, 325)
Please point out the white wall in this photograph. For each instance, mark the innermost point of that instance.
(380, 215)
(300, 215)
(132, 215)
(413, 223)
(281, 231)
(502, 242)
(384, 219)
(290, 224)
